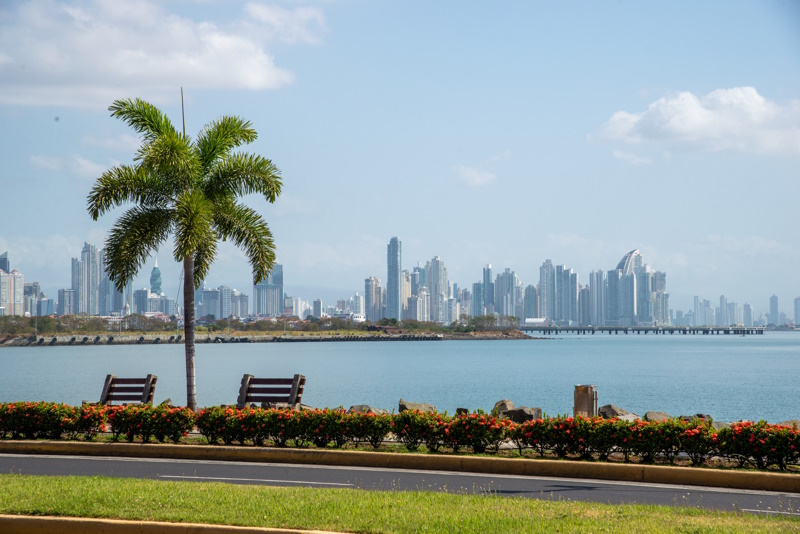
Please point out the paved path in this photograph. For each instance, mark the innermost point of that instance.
(401, 479)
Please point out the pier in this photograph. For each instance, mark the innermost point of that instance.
(644, 330)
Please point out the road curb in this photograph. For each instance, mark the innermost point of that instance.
(689, 476)
(17, 524)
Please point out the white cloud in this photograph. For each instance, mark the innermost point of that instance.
(474, 177)
(299, 25)
(632, 159)
(89, 52)
(124, 143)
(725, 119)
(74, 164)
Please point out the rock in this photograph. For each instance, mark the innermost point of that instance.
(421, 406)
(657, 416)
(366, 408)
(793, 423)
(502, 406)
(719, 425)
(629, 417)
(462, 411)
(701, 416)
(522, 414)
(167, 403)
(609, 411)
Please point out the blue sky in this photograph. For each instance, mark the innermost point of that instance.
(503, 133)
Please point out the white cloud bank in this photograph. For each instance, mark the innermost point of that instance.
(725, 119)
(84, 52)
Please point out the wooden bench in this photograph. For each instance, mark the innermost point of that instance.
(271, 392)
(128, 390)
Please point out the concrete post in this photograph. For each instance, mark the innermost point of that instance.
(585, 401)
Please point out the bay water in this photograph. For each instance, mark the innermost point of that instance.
(729, 377)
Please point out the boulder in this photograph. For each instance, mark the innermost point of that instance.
(629, 417)
(366, 408)
(502, 406)
(522, 414)
(719, 425)
(421, 406)
(701, 416)
(167, 403)
(609, 411)
(657, 416)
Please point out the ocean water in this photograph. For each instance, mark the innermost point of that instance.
(729, 377)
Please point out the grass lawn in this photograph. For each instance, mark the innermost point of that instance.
(353, 510)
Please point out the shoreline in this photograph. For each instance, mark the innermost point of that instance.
(306, 337)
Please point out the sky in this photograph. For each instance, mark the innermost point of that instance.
(480, 132)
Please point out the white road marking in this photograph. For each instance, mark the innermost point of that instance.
(186, 477)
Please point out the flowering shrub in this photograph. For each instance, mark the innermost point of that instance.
(410, 427)
(87, 421)
(328, 426)
(212, 423)
(760, 444)
(699, 441)
(479, 431)
(146, 421)
(366, 428)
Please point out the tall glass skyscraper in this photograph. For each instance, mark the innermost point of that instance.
(394, 304)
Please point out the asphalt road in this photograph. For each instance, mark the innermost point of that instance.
(407, 480)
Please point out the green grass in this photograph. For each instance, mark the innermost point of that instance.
(353, 510)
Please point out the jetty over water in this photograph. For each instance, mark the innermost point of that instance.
(644, 330)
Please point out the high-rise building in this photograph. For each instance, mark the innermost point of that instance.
(439, 288)
(317, 308)
(90, 257)
(372, 299)
(5, 265)
(547, 290)
(140, 298)
(211, 304)
(394, 290)
(797, 311)
(504, 293)
(155, 280)
(531, 309)
(613, 295)
(65, 299)
(268, 294)
(225, 294)
(722, 317)
(478, 307)
(488, 289)
(747, 315)
(239, 304)
(774, 314)
(357, 304)
(597, 295)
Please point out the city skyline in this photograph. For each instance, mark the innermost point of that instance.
(500, 135)
(560, 295)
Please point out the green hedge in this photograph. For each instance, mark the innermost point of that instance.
(758, 444)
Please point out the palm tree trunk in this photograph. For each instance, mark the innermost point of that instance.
(188, 331)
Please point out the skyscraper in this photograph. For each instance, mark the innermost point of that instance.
(394, 306)
(372, 299)
(531, 309)
(488, 289)
(155, 280)
(774, 314)
(547, 290)
(5, 265)
(90, 257)
(268, 294)
(439, 289)
(225, 294)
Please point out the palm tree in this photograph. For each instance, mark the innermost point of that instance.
(189, 189)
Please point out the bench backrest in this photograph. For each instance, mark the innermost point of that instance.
(272, 391)
(129, 390)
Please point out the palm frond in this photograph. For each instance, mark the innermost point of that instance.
(248, 231)
(203, 258)
(173, 158)
(133, 238)
(142, 116)
(122, 184)
(194, 226)
(218, 138)
(244, 174)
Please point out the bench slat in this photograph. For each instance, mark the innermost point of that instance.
(265, 391)
(271, 381)
(124, 398)
(261, 398)
(140, 381)
(127, 389)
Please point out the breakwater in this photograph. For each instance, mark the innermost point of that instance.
(164, 339)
